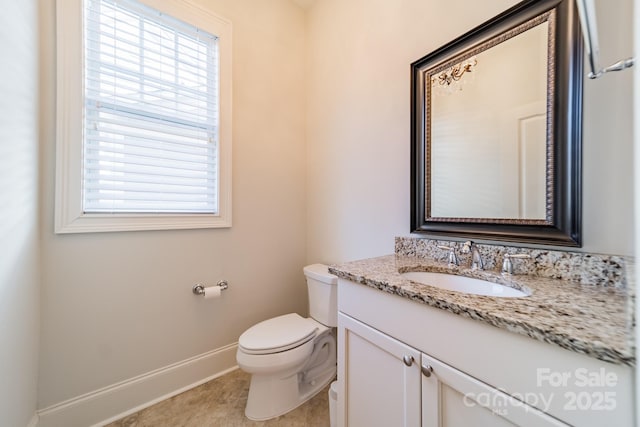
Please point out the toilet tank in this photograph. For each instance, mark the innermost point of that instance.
(323, 294)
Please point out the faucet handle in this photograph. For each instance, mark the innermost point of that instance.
(507, 265)
(453, 259)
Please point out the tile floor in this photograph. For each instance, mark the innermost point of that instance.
(221, 402)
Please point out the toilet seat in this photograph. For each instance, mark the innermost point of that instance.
(278, 334)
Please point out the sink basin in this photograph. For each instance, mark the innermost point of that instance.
(466, 285)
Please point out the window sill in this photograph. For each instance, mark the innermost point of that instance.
(100, 223)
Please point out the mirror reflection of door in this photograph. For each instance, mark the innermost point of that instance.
(532, 161)
(488, 139)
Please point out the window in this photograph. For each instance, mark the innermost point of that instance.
(148, 144)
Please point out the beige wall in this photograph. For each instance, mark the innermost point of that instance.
(608, 139)
(358, 122)
(19, 281)
(117, 305)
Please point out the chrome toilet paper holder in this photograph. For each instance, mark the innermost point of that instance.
(198, 288)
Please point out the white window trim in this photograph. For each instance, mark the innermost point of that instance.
(69, 216)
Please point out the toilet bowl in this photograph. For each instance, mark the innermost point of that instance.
(290, 357)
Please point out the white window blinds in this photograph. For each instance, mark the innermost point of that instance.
(150, 113)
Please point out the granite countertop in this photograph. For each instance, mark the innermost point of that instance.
(593, 320)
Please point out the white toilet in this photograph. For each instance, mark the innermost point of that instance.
(291, 358)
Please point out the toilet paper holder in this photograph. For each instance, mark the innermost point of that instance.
(198, 288)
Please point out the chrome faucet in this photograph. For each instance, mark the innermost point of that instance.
(476, 259)
(452, 259)
(507, 265)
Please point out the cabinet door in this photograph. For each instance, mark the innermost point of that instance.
(378, 378)
(451, 398)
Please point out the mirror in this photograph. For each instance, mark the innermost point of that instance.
(496, 113)
(496, 130)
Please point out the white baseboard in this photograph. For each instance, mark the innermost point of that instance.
(113, 402)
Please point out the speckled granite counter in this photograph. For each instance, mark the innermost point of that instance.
(593, 320)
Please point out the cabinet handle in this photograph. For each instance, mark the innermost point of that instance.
(426, 370)
(408, 360)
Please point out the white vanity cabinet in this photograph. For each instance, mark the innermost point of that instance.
(388, 383)
(451, 398)
(402, 363)
(381, 377)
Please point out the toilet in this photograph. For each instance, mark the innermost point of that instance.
(290, 357)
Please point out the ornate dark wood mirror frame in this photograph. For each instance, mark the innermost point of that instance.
(563, 223)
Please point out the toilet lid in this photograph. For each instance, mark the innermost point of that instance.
(278, 334)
